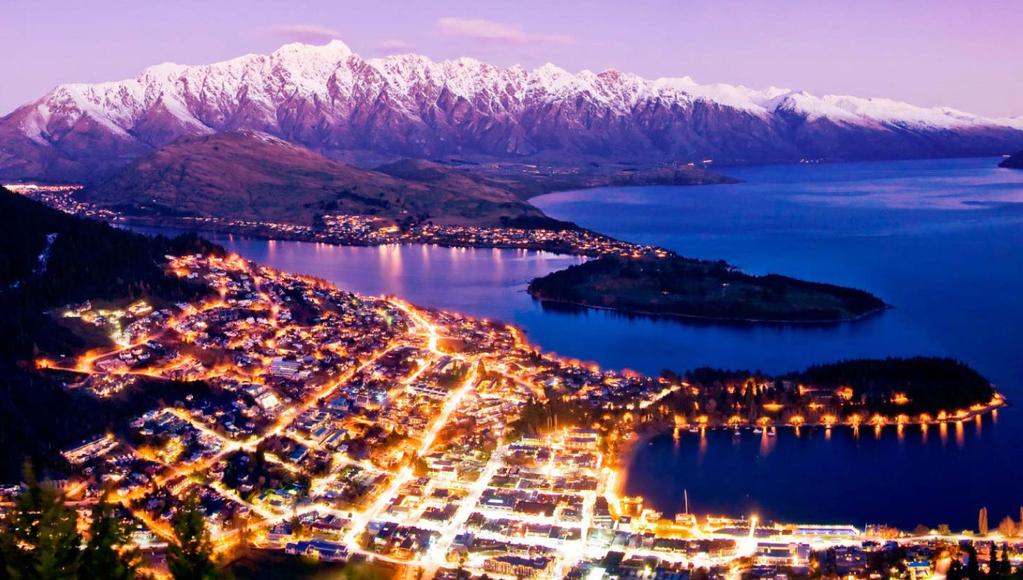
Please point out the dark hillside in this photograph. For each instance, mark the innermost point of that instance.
(930, 384)
(48, 259)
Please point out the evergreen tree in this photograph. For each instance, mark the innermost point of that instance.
(240, 525)
(190, 557)
(39, 539)
(1000, 565)
(972, 566)
(106, 556)
(955, 570)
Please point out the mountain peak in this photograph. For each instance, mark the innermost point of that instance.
(164, 70)
(333, 48)
(327, 98)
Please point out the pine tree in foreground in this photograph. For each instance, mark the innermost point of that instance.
(106, 555)
(39, 539)
(190, 557)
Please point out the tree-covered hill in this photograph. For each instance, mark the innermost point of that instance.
(48, 258)
(678, 286)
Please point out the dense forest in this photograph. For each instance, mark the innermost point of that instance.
(678, 286)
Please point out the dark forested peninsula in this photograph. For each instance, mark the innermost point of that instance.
(678, 286)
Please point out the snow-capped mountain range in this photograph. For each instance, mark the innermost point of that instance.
(331, 100)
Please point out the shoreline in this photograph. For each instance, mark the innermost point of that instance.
(568, 240)
(659, 428)
(131, 223)
(621, 460)
(557, 251)
(697, 317)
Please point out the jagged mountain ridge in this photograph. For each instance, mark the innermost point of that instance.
(331, 100)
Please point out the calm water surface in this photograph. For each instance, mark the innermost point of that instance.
(940, 240)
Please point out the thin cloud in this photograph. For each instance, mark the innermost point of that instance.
(392, 45)
(307, 33)
(496, 32)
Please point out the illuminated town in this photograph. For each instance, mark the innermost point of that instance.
(463, 290)
(339, 427)
(360, 230)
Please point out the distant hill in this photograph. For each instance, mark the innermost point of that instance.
(1013, 161)
(529, 180)
(247, 175)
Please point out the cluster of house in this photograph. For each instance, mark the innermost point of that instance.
(335, 424)
(63, 198)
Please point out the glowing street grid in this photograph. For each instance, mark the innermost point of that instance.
(337, 425)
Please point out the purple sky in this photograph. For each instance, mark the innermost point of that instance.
(964, 54)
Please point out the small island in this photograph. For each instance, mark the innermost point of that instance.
(673, 285)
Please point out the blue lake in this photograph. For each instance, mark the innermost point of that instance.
(942, 241)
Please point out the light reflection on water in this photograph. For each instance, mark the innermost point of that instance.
(903, 433)
(818, 474)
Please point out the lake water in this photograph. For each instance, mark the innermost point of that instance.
(942, 241)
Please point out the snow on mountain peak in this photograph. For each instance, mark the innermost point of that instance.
(334, 49)
(162, 71)
(255, 90)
